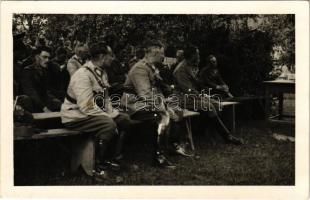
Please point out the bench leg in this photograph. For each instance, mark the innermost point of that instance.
(229, 119)
(83, 155)
(189, 133)
(233, 119)
(267, 103)
(280, 105)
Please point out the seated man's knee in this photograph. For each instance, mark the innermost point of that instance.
(54, 104)
(107, 130)
(26, 103)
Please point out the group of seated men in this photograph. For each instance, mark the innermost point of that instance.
(146, 94)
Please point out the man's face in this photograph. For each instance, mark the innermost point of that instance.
(107, 60)
(213, 61)
(43, 58)
(82, 52)
(158, 55)
(180, 55)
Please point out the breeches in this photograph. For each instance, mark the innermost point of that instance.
(103, 127)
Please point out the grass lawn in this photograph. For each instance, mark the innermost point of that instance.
(263, 160)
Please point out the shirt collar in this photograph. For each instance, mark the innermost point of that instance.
(152, 66)
(99, 72)
(91, 65)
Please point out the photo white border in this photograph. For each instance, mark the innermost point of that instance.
(299, 8)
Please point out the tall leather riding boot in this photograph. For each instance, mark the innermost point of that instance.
(101, 162)
(159, 158)
(101, 146)
(119, 145)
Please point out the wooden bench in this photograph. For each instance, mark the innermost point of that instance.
(82, 149)
(187, 115)
(232, 116)
(44, 116)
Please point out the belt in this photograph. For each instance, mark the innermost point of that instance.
(69, 98)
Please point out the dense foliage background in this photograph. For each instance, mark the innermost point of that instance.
(247, 46)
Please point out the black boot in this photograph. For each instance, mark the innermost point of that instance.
(118, 156)
(161, 161)
(159, 158)
(180, 149)
(230, 139)
(109, 165)
(102, 163)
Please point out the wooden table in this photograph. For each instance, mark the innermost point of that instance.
(278, 87)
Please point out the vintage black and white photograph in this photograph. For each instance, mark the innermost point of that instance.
(154, 99)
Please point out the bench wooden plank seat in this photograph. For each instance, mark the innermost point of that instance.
(52, 133)
(188, 114)
(228, 103)
(48, 115)
(83, 151)
(232, 118)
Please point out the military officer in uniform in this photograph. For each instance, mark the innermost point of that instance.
(143, 98)
(78, 59)
(88, 108)
(35, 84)
(186, 78)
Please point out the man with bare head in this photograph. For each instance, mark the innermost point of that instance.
(78, 59)
(143, 99)
(34, 83)
(88, 107)
(186, 78)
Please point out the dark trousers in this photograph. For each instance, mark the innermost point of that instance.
(177, 132)
(29, 105)
(215, 123)
(152, 118)
(103, 129)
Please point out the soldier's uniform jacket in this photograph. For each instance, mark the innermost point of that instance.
(74, 63)
(185, 76)
(141, 92)
(211, 77)
(81, 93)
(187, 80)
(35, 84)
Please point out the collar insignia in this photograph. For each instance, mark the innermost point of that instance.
(98, 72)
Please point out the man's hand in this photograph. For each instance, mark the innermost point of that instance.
(18, 110)
(226, 88)
(114, 113)
(46, 110)
(219, 87)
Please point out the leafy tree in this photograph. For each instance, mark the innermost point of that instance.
(243, 44)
